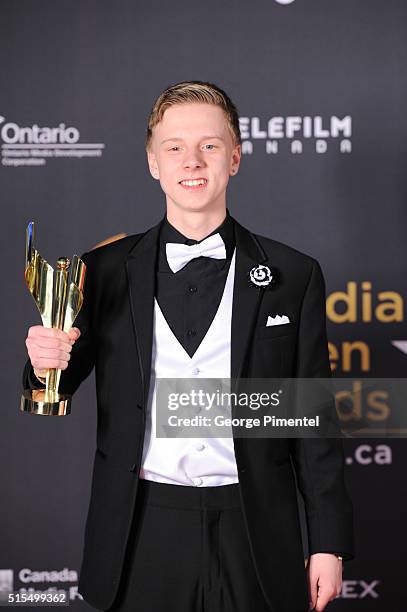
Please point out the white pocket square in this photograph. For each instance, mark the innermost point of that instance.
(277, 320)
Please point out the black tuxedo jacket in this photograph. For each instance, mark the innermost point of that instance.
(116, 322)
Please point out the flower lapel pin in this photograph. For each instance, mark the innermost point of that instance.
(261, 276)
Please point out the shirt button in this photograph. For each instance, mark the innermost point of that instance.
(191, 332)
(198, 482)
(195, 371)
(192, 289)
(200, 447)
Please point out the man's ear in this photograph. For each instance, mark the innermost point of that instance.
(236, 156)
(152, 164)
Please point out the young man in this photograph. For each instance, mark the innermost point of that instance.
(187, 525)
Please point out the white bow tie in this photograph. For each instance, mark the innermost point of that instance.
(178, 255)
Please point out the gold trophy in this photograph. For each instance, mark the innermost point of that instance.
(58, 303)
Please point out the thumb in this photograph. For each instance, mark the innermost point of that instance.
(74, 333)
(313, 591)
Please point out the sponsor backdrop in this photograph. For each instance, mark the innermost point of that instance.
(321, 93)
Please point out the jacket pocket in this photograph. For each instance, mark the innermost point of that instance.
(275, 331)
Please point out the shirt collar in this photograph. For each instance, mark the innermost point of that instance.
(169, 233)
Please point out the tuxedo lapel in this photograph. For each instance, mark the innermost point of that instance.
(141, 267)
(246, 297)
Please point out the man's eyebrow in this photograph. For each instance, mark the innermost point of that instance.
(203, 138)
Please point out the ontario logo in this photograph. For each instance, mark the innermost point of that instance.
(33, 145)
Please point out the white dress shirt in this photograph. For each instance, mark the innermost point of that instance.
(190, 461)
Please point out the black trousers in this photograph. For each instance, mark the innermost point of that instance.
(188, 552)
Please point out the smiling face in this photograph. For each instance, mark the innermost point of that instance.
(193, 154)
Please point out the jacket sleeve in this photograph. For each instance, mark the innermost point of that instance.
(82, 358)
(319, 462)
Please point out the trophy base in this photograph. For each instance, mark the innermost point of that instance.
(38, 401)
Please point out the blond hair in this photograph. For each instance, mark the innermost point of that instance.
(189, 92)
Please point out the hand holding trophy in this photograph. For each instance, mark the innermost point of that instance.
(59, 301)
